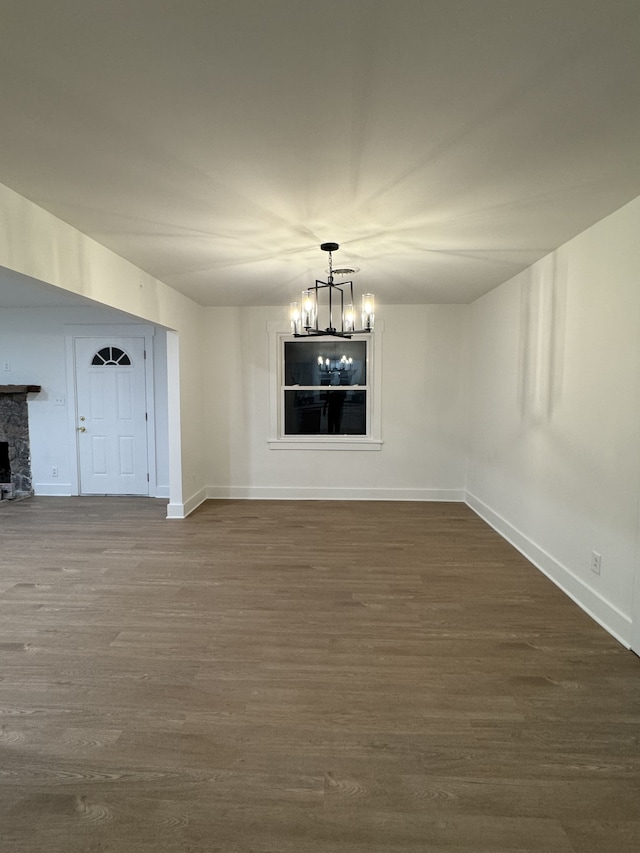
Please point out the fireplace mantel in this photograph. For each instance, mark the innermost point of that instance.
(19, 389)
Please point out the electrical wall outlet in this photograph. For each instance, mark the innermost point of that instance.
(6, 366)
(596, 560)
(54, 471)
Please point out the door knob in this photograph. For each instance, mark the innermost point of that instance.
(81, 429)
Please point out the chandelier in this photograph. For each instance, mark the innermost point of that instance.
(304, 315)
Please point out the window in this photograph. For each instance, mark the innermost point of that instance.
(323, 395)
(111, 356)
(325, 387)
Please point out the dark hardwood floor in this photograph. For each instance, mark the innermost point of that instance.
(280, 677)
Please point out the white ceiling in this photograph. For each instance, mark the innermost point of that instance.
(445, 144)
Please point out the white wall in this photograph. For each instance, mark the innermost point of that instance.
(423, 412)
(555, 414)
(37, 244)
(33, 343)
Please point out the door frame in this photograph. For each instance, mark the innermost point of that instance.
(72, 332)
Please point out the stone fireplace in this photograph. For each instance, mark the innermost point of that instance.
(15, 450)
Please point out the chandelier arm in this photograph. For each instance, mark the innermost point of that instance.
(323, 333)
(331, 286)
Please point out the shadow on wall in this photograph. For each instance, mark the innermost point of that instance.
(542, 334)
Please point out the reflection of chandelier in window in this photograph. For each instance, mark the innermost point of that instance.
(330, 364)
(304, 315)
(335, 368)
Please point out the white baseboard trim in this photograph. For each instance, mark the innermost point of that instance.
(64, 490)
(313, 493)
(182, 510)
(175, 511)
(53, 490)
(598, 608)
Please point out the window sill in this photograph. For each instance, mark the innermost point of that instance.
(325, 443)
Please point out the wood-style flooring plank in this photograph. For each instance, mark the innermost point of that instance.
(301, 677)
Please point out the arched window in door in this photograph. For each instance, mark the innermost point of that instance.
(111, 356)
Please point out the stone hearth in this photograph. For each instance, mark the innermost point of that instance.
(15, 450)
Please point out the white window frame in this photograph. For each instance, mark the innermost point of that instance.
(279, 441)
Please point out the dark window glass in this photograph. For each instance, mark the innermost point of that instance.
(325, 362)
(108, 356)
(329, 412)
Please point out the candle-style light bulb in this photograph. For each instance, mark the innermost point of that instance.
(309, 309)
(368, 311)
(295, 318)
(349, 319)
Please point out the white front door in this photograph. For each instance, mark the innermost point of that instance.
(111, 405)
